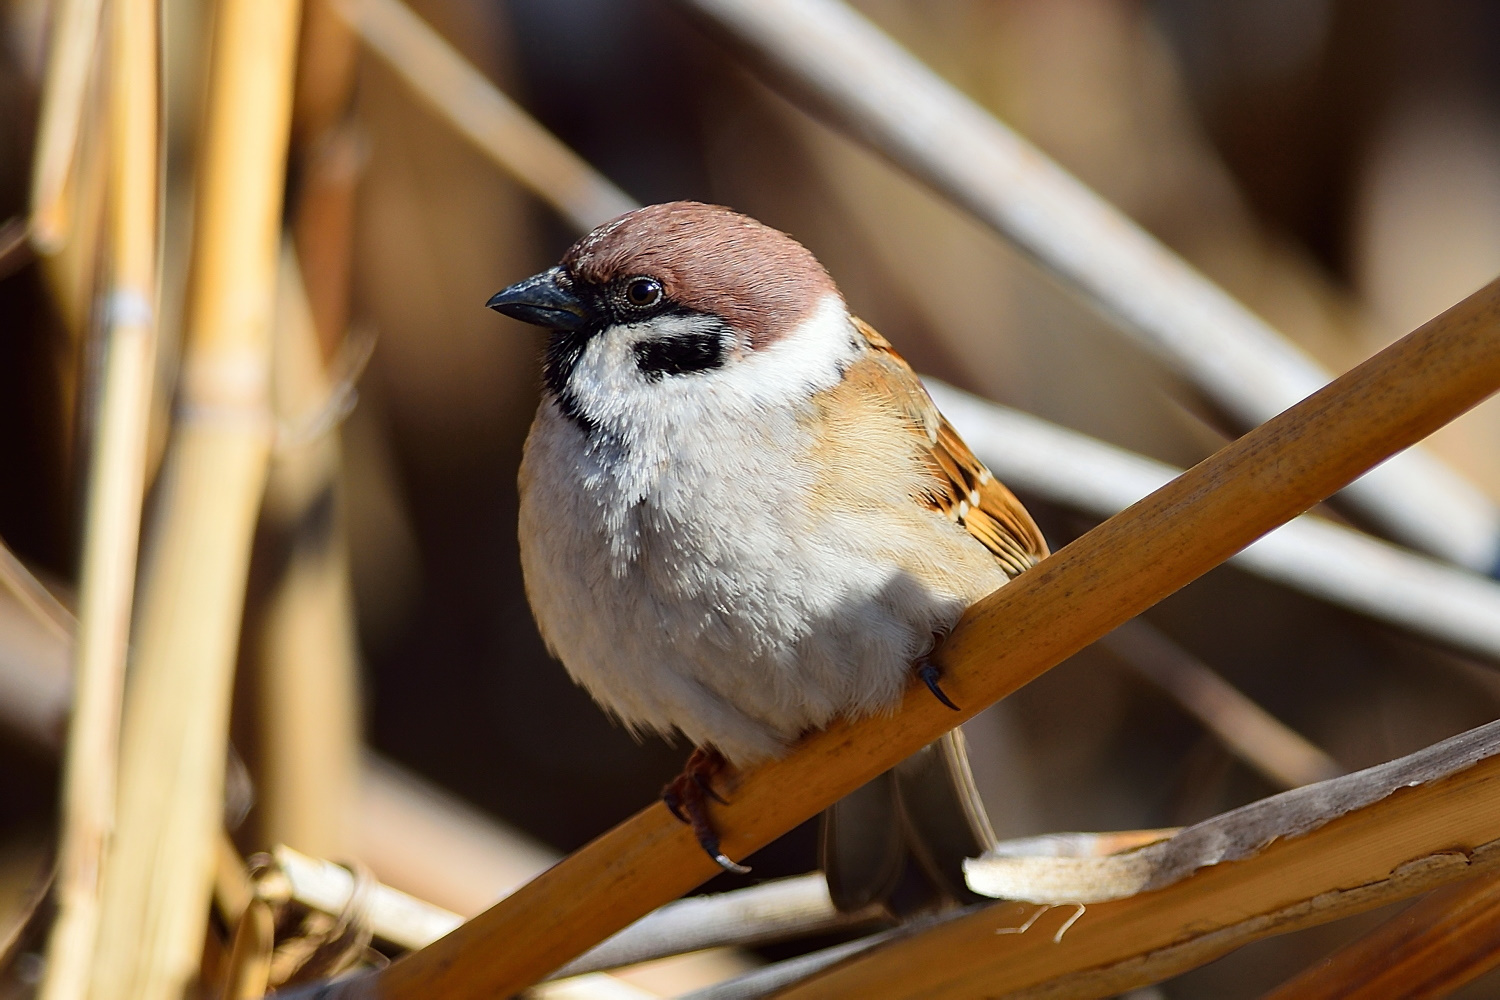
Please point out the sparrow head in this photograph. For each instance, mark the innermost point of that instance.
(680, 299)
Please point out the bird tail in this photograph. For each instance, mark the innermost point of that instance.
(900, 840)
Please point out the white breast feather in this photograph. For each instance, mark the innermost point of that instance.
(684, 579)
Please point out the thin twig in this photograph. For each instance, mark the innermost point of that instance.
(844, 69)
(495, 123)
(33, 595)
(70, 60)
(15, 246)
(1280, 754)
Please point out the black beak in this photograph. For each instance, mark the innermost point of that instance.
(544, 300)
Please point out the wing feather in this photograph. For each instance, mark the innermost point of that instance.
(963, 490)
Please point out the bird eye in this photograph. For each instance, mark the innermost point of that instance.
(643, 292)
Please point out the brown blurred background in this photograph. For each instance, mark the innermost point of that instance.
(1335, 165)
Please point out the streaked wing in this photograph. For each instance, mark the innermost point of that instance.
(965, 491)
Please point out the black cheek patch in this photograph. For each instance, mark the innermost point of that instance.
(680, 354)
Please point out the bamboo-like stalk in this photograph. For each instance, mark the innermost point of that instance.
(492, 121)
(116, 483)
(249, 965)
(70, 60)
(306, 660)
(160, 865)
(1071, 599)
(1427, 951)
(833, 61)
(305, 657)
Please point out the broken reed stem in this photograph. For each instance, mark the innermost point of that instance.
(160, 865)
(70, 60)
(116, 482)
(1294, 860)
(1428, 950)
(834, 62)
(1070, 599)
(491, 120)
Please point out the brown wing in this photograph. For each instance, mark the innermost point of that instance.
(965, 491)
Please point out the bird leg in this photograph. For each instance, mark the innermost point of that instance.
(687, 796)
(930, 674)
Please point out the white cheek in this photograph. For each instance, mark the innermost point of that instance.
(810, 358)
(616, 396)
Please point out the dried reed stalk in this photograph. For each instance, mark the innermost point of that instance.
(1294, 860)
(492, 121)
(774, 911)
(305, 657)
(70, 60)
(330, 149)
(116, 483)
(1071, 599)
(1428, 950)
(306, 660)
(249, 966)
(160, 865)
(833, 61)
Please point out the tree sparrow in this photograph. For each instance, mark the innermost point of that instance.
(741, 515)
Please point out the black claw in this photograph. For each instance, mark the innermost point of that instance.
(685, 796)
(707, 788)
(709, 841)
(929, 675)
(672, 802)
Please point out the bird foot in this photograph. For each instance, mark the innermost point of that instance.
(930, 674)
(687, 796)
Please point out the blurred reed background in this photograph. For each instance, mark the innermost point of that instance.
(1334, 165)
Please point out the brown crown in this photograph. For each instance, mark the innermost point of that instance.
(709, 259)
